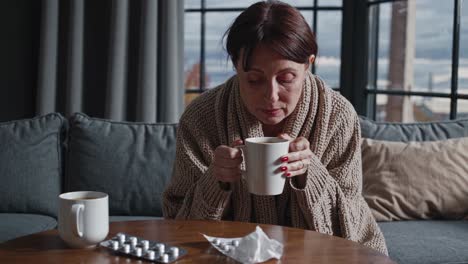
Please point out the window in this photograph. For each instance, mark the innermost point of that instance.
(418, 60)
(413, 67)
(207, 20)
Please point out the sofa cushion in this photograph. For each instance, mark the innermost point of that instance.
(31, 164)
(132, 162)
(416, 180)
(405, 132)
(16, 225)
(426, 242)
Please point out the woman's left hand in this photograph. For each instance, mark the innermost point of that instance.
(298, 158)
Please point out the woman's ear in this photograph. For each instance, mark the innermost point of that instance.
(311, 59)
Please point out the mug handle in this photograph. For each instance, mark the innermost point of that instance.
(77, 211)
(242, 149)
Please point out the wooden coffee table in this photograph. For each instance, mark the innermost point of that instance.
(300, 246)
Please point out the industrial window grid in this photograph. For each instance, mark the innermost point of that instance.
(315, 8)
(372, 88)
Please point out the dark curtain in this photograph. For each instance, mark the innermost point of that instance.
(116, 59)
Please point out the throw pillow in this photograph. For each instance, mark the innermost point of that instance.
(131, 162)
(416, 180)
(31, 164)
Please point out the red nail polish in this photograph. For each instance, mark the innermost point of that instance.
(288, 174)
(284, 159)
(283, 168)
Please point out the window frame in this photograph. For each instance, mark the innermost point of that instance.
(359, 68)
(203, 10)
(371, 90)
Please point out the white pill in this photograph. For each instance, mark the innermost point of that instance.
(160, 247)
(115, 245)
(138, 251)
(145, 244)
(225, 247)
(174, 251)
(127, 248)
(133, 239)
(235, 243)
(151, 254)
(165, 258)
(216, 242)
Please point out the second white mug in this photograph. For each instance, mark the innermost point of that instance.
(83, 219)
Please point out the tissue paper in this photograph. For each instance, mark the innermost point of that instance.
(253, 248)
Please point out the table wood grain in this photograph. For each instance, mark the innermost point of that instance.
(300, 246)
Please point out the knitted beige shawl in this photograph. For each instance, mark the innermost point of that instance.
(331, 201)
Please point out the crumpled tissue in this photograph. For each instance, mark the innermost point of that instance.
(253, 248)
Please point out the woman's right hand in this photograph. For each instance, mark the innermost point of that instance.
(227, 161)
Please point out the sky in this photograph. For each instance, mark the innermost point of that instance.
(433, 42)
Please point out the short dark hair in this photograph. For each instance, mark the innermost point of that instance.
(274, 24)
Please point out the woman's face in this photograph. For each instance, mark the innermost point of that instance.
(272, 87)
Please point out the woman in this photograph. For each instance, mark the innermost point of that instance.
(273, 94)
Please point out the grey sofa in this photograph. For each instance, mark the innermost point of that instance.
(132, 162)
(45, 156)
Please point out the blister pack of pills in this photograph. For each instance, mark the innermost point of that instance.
(224, 245)
(255, 247)
(143, 249)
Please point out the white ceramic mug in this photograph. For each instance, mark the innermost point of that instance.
(262, 157)
(83, 219)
